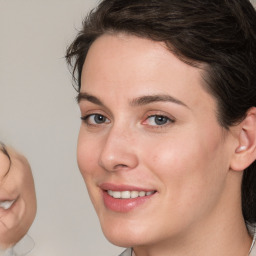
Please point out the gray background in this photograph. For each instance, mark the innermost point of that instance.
(39, 117)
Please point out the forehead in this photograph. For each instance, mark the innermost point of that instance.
(130, 66)
(132, 52)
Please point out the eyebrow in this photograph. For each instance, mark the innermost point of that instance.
(144, 100)
(140, 101)
(85, 96)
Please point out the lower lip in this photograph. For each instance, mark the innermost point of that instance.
(124, 205)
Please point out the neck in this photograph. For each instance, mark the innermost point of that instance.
(223, 232)
(231, 240)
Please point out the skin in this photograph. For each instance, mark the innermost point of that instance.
(16, 184)
(196, 209)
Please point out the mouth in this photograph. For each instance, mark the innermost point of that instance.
(129, 194)
(124, 198)
(6, 204)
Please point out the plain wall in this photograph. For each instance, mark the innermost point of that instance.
(39, 116)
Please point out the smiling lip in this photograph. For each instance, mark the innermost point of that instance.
(6, 205)
(124, 198)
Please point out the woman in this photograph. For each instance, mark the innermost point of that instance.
(17, 202)
(167, 144)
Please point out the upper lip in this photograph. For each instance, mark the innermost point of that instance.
(5, 196)
(123, 187)
(8, 198)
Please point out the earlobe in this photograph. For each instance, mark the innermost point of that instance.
(245, 153)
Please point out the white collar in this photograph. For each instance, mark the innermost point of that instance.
(252, 230)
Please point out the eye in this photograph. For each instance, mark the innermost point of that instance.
(95, 119)
(158, 120)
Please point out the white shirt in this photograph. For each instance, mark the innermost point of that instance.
(22, 248)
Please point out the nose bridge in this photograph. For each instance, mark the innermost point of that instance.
(118, 149)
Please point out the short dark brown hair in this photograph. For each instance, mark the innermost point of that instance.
(221, 34)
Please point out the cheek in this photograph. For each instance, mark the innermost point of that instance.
(189, 162)
(87, 154)
(30, 200)
(191, 175)
(88, 150)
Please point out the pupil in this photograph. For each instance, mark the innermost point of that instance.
(160, 120)
(99, 119)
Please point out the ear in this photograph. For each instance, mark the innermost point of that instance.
(245, 152)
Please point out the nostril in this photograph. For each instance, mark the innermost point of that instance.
(120, 166)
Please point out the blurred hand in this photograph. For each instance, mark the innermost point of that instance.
(17, 197)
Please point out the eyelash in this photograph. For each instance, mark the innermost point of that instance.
(167, 120)
(87, 117)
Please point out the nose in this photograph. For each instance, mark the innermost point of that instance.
(118, 152)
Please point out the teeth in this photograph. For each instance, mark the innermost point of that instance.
(116, 194)
(129, 194)
(125, 194)
(6, 204)
(142, 193)
(134, 194)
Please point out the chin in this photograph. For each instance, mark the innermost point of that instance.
(122, 240)
(125, 235)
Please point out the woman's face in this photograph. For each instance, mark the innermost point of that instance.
(150, 149)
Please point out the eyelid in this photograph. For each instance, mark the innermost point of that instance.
(159, 113)
(90, 108)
